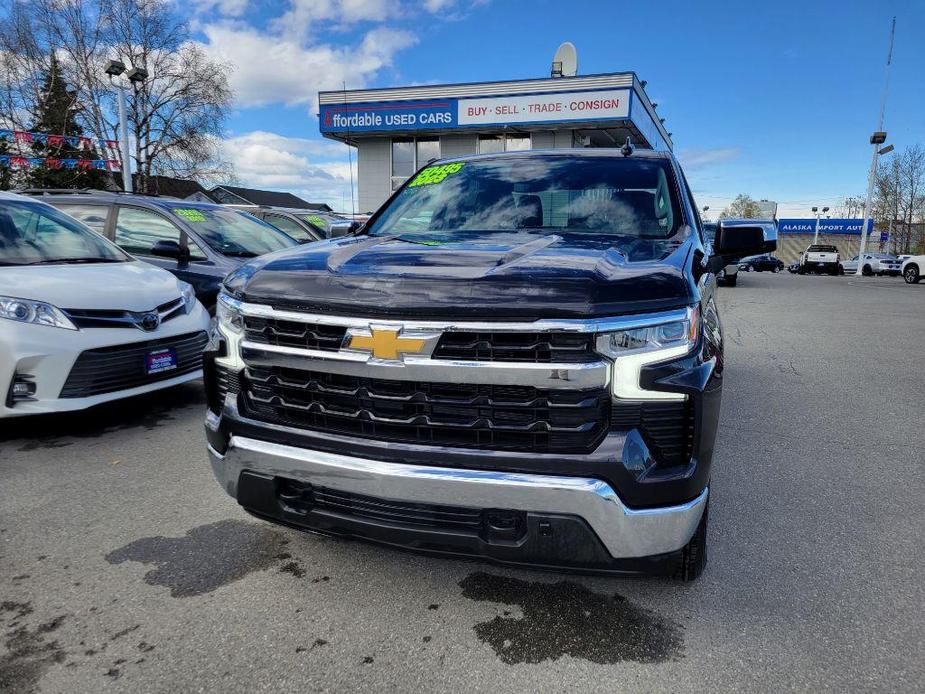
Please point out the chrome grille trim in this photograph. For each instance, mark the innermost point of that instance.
(594, 325)
(544, 376)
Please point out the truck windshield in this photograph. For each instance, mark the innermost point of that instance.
(32, 233)
(543, 194)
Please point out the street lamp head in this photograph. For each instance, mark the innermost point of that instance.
(885, 150)
(878, 138)
(815, 209)
(114, 68)
(138, 74)
(706, 207)
(825, 209)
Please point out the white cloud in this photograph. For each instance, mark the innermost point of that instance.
(696, 158)
(272, 69)
(314, 170)
(304, 14)
(438, 5)
(225, 8)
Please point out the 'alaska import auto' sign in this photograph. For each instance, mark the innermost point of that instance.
(844, 227)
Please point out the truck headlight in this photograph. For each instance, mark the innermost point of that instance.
(228, 312)
(633, 348)
(38, 312)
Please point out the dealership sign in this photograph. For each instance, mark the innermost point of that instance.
(844, 227)
(388, 115)
(439, 114)
(541, 108)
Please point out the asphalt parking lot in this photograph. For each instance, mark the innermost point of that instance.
(124, 566)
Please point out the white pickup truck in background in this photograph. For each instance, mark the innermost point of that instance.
(820, 258)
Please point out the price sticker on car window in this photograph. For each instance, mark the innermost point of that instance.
(433, 175)
(190, 215)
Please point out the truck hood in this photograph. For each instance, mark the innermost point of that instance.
(130, 286)
(517, 274)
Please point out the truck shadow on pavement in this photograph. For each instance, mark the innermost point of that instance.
(148, 411)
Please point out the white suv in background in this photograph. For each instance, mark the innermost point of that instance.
(82, 322)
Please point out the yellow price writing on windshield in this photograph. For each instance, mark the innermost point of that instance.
(435, 174)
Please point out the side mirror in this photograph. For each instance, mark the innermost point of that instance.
(355, 227)
(168, 249)
(737, 240)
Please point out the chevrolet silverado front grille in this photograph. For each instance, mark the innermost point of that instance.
(445, 414)
(284, 333)
(541, 348)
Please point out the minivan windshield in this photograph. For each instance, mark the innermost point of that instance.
(543, 194)
(33, 233)
(233, 233)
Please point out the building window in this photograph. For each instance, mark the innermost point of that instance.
(518, 142)
(410, 154)
(488, 144)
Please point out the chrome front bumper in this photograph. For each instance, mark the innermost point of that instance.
(625, 532)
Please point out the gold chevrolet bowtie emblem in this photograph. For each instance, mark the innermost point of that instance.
(386, 344)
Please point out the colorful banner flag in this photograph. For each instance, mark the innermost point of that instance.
(17, 162)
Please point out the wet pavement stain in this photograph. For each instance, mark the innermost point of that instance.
(208, 557)
(566, 618)
(28, 655)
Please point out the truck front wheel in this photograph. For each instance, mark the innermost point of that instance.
(694, 554)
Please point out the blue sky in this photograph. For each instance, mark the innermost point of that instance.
(776, 100)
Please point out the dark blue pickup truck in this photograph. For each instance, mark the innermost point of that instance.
(518, 358)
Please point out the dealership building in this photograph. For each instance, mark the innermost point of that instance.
(398, 130)
(795, 235)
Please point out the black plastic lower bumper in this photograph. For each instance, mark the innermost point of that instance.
(558, 542)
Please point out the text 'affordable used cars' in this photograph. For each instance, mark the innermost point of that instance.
(81, 321)
(518, 358)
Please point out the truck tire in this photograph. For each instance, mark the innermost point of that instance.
(730, 280)
(911, 274)
(694, 554)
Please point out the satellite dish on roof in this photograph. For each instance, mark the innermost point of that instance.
(565, 62)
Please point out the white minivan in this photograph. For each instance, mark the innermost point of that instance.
(81, 321)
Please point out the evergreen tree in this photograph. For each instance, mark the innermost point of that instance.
(6, 173)
(55, 113)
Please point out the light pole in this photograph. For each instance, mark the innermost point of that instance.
(877, 139)
(818, 214)
(114, 68)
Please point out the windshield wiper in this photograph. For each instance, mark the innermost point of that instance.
(72, 261)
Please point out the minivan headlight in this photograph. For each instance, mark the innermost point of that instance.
(37, 312)
(633, 348)
(228, 312)
(189, 296)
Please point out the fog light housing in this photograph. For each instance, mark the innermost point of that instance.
(22, 388)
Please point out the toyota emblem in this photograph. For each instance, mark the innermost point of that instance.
(150, 321)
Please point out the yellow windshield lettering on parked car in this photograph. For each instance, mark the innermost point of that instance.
(435, 174)
(190, 215)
